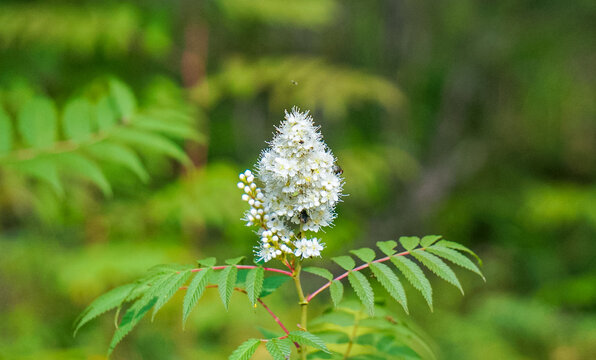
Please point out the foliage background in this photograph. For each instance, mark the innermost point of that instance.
(474, 120)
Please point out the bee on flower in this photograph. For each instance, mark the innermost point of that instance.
(299, 188)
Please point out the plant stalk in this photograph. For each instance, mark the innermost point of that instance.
(303, 306)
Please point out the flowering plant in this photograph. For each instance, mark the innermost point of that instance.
(292, 196)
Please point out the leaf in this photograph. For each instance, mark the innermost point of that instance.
(106, 302)
(308, 339)
(43, 169)
(194, 292)
(336, 289)
(87, 169)
(254, 284)
(279, 349)
(119, 154)
(123, 97)
(456, 258)
(456, 246)
(151, 141)
(365, 254)
(324, 273)
(5, 132)
(409, 242)
(391, 283)
(272, 283)
(38, 122)
(165, 294)
(438, 266)
(78, 120)
(363, 290)
(106, 113)
(173, 129)
(387, 247)
(234, 261)
(345, 262)
(246, 350)
(428, 240)
(227, 279)
(208, 262)
(415, 276)
(131, 318)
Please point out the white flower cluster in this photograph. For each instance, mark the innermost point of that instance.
(301, 186)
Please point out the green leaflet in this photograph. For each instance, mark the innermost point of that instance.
(5, 132)
(106, 114)
(151, 141)
(78, 120)
(131, 318)
(227, 279)
(173, 129)
(123, 97)
(409, 242)
(308, 339)
(207, 262)
(336, 289)
(387, 247)
(456, 246)
(44, 170)
(165, 294)
(254, 284)
(428, 240)
(363, 290)
(365, 254)
(106, 302)
(85, 168)
(415, 276)
(235, 261)
(272, 283)
(324, 273)
(345, 262)
(390, 282)
(38, 122)
(246, 350)
(279, 349)
(438, 266)
(194, 292)
(455, 257)
(121, 155)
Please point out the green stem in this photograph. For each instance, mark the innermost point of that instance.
(353, 336)
(303, 305)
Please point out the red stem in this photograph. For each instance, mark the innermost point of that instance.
(245, 267)
(363, 266)
(275, 317)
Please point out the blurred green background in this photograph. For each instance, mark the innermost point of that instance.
(471, 119)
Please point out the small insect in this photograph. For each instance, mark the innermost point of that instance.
(294, 82)
(301, 142)
(337, 169)
(304, 216)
